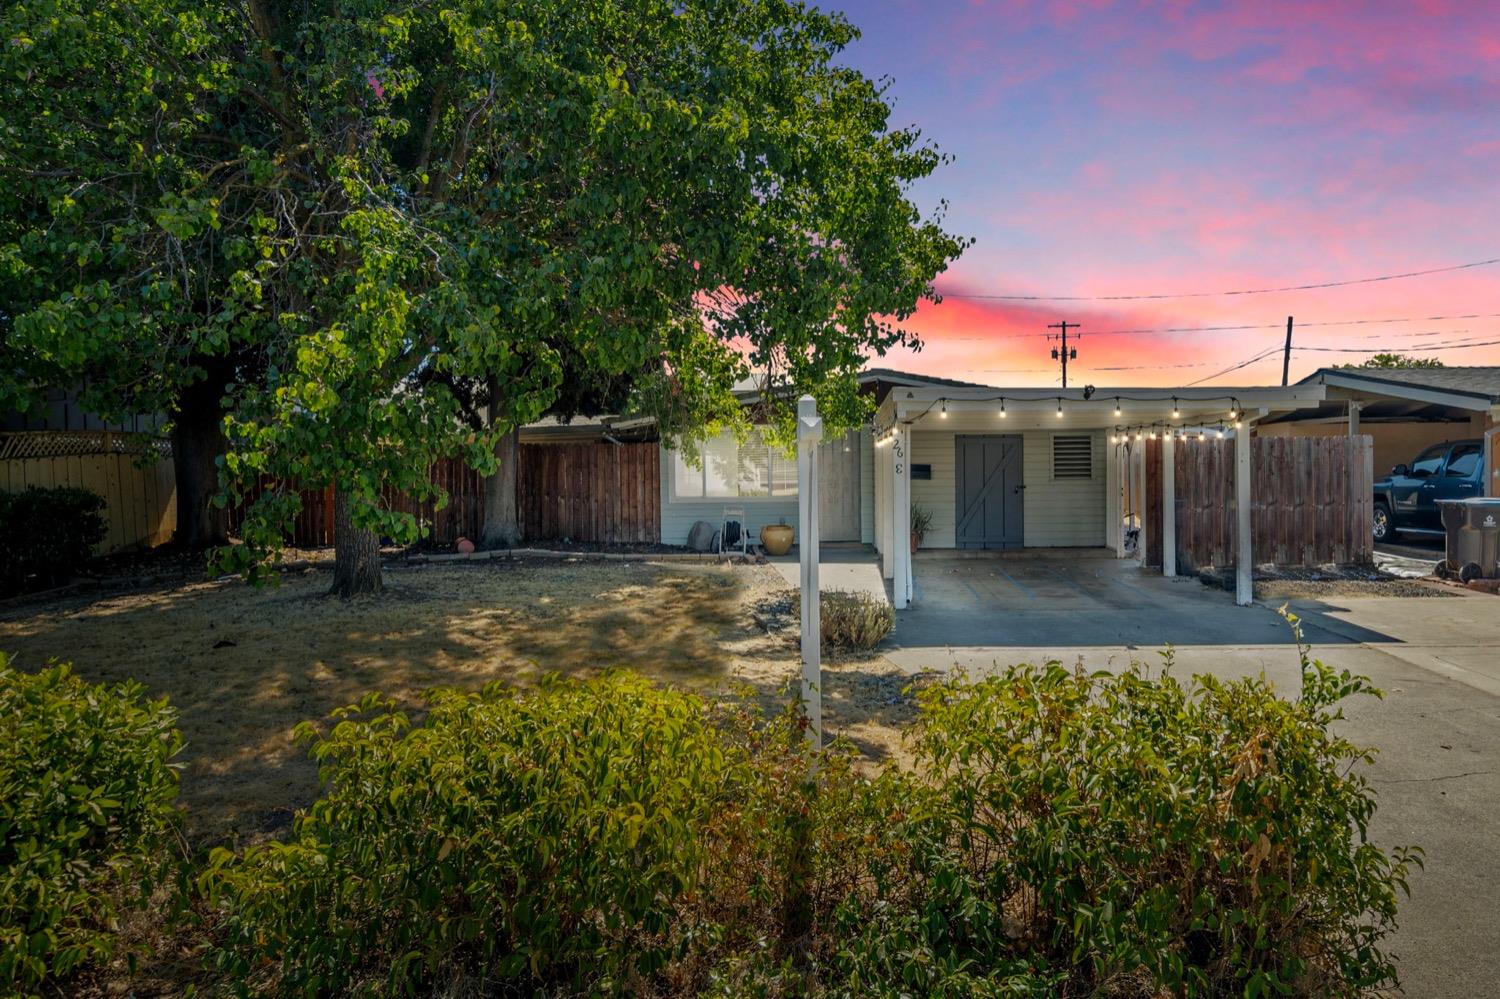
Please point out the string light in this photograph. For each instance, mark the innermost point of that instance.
(943, 413)
(1234, 408)
(1117, 405)
(1138, 435)
(1059, 407)
(1176, 413)
(1002, 407)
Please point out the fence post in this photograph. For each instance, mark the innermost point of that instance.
(809, 434)
(1244, 563)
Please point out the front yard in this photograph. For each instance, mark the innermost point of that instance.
(244, 666)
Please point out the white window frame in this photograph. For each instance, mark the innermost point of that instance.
(735, 499)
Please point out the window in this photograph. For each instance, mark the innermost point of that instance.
(729, 469)
(1464, 461)
(1429, 462)
(1072, 456)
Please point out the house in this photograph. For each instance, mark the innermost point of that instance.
(995, 467)
(1404, 410)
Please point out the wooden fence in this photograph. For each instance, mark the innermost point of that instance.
(139, 486)
(596, 492)
(603, 493)
(1311, 501)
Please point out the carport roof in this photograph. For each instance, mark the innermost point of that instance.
(1466, 387)
(1090, 407)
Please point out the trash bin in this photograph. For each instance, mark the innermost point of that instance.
(1473, 548)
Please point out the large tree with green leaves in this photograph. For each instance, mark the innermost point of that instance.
(325, 222)
(1393, 360)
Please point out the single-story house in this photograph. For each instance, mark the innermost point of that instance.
(1404, 411)
(993, 467)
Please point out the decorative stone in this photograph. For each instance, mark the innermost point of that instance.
(465, 546)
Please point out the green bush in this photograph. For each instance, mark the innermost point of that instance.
(1060, 833)
(854, 620)
(86, 817)
(46, 535)
(556, 837)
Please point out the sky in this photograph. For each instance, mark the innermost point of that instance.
(1110, 147)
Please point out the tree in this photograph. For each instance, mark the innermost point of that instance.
(367, 208)
(1386, 360)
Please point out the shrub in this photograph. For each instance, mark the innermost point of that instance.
(557, 837)
(854, 620)
(1060, 833)
(86, 817)
(1205, 838)
(46, 535)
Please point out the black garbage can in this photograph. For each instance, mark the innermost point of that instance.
(1473, 547)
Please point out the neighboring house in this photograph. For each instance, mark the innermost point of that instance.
(1404, 410)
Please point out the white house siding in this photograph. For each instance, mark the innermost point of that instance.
(866, 488)
(679, 515)
(1057, 514)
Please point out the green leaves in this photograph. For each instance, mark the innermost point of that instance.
(86, 817)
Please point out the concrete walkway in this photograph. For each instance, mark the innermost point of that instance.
(1437, 730)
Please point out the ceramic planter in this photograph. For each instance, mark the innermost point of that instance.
(777, 538)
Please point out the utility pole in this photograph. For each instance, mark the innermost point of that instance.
(1064, 353)
(1286, 355)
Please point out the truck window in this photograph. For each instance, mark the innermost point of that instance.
(1429, 462)
(1463, 462)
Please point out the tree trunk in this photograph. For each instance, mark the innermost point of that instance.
(356, 553)
(502, 525)
(197, 441)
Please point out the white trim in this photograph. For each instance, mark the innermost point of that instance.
(1372, 385)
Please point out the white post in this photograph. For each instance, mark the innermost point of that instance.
(1244, 563)
(885, 495)
(1114, 535)
(1354, 408)
(1168, 505)
(1138, 506)
(809, 434)
(901, 514)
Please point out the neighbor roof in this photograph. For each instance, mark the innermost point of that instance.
(1479, 383)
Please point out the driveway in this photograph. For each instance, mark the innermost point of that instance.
(1437, 729)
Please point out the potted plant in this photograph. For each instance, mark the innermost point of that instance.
(777, 538)
(921, 523)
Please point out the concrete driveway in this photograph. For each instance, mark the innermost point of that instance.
(1437, 729)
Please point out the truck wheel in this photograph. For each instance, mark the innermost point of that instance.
(1384, 530)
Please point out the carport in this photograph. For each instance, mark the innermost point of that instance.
(1051, 468)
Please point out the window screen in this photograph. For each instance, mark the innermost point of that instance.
(1072, 456)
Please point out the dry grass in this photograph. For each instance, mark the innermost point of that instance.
(244, 665)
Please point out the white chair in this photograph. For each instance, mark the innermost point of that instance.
(735, 514)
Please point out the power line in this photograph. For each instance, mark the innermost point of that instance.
(1249, 326)
(1236, 291)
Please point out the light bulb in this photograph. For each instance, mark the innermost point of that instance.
(1117, 405)
(1176, 413)
(1002, 409)
(1059, 409)
(944, 411)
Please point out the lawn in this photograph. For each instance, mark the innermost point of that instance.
(245, 665)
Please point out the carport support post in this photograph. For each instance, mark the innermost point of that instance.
(1244, 563)
(1114, 535)
(1169, 504)
(809, 434)
(901, 514)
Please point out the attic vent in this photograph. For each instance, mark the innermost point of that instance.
(1072, 456)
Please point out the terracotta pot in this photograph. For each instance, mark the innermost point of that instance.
(916, 542)
(777, 538)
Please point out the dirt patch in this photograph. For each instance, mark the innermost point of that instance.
(243, 666)
(1295, 589)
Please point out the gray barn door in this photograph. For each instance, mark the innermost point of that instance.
(838, 488)
(988, 490)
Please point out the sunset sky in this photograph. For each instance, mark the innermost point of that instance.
(1105, 148)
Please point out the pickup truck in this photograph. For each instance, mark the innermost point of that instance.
(1406, 500)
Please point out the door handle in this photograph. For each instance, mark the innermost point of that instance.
(1020, 488)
